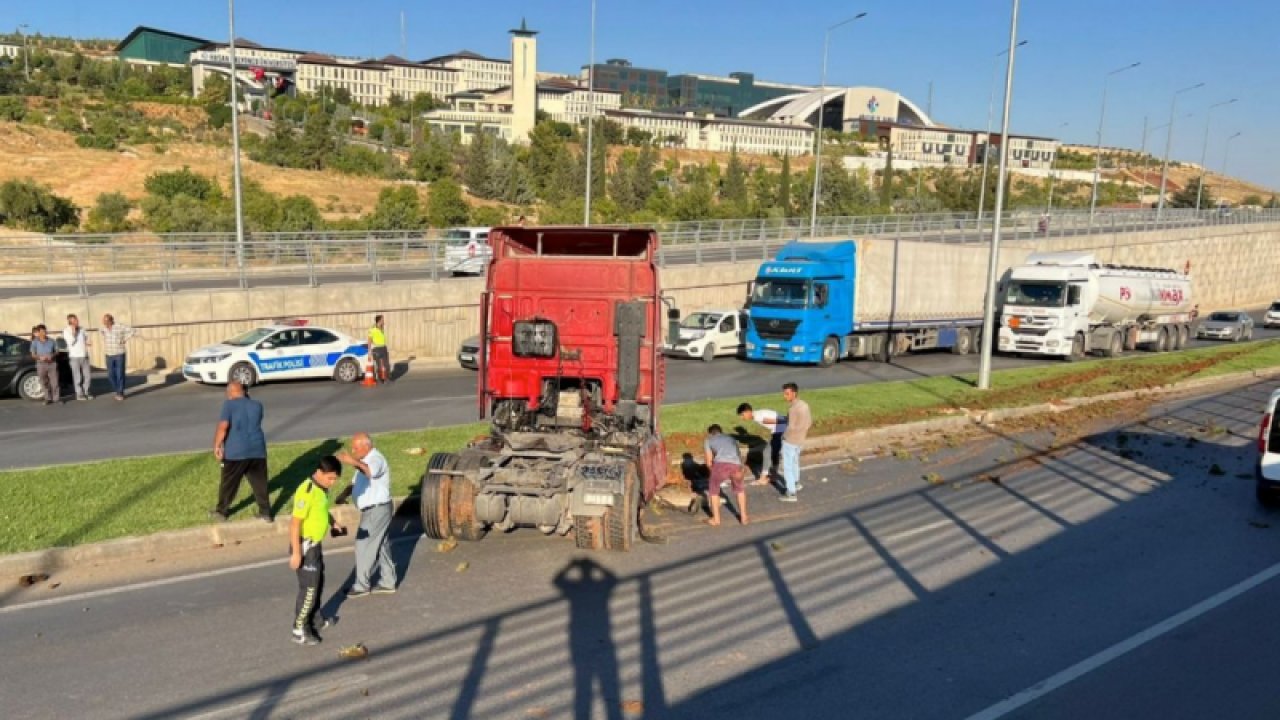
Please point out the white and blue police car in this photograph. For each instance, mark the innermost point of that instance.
(283, 351)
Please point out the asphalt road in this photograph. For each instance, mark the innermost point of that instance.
(180, 417)
(682, 254)
(1113, 575)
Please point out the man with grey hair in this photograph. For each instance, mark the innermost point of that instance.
(371, 491)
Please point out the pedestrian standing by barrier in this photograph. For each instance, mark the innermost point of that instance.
(45, 350)
(776, 425)
(378, 347)
(241, 449)
(78, 356)
(309, 523)
(371, 490)
(799, 421)
(725, 464)
(114, 339)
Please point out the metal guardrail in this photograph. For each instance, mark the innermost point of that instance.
(160, 260)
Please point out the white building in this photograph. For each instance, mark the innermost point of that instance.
(477, 72)
(718, 134)
(567, 101)
(10, 50)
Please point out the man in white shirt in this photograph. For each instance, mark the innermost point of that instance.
(371, 491)
(77, 341)
(776, 425)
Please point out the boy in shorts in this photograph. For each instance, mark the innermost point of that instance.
(725, 464)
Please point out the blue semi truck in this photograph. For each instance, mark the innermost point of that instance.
(817, 303)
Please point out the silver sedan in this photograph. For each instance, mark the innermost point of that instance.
(1233, 325)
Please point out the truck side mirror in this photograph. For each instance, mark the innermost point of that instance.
(820, 293)
(673, 326)
(751, 291)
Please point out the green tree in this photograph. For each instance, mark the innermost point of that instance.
(1273, 203)
(13, 109)
(734, 195)
(1186, 197)
(477, 173)
(488, 216)
(28, 205)
(170, 184)
(318, 142)
(445, 205)
(433, 159)
(694, 200)
(298, 213)
(109, 214)
(549, 162)
(398, 208)
(261, 207)
(1252, 200)
(886, 181)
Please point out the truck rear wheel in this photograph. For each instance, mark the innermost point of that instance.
(1162, 342)
(964, 342)
(620, 521)
(1115, 345)
(588, 532)
(830, 353)
(1184, 335)
(462, 501)
(434, 496)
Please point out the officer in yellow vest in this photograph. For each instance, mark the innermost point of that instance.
(378, 347)
(310, 523)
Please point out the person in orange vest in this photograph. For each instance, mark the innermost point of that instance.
(378, 348)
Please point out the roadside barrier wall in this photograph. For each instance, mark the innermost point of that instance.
(1232, 266)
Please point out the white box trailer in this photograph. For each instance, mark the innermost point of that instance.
(1067, 304)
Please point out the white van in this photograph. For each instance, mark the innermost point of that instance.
(1268, 470)
(1272, 318)
(709, 334)
(466, 250)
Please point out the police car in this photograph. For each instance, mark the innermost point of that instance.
(282, 351)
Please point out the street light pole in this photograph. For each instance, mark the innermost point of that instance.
(986, 150)
(1097, 153)
(1204, 150)
(989, 311)
(235, 140)
(1226, 152)
(1048, 206)
(591, 112)
(1168, 145)
(26, 52)
(817, 132)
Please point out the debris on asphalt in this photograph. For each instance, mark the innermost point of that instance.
(824, 479)
(462, 567)
(54, 586)
(415, 451)
(776, 546)
(32, 579)
(354, 652)
(447, 545)
(932, 478)
(1216, 470)
(632, 707)
(989, 478)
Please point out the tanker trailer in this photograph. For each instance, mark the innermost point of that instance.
(571, 377)
(1067, 304)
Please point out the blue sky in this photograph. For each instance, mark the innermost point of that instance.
(1230, 45)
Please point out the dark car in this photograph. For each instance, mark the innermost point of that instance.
(18, 369)
(469, 353)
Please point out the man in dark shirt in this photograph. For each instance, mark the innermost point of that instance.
(241, 448)
(45, 350)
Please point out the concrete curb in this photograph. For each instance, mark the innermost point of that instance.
(143, 548)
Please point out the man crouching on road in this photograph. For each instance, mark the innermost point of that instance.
(310, 523)
(725, 464)
(372, 492)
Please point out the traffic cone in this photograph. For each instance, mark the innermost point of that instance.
(368, 369)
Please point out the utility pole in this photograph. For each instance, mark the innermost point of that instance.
(235, 140)
(989, 311)
(591, 112)
(986, 149)
(1204, 151)
(1048, 207)
(403, 51)
(1097, 153)
(817, 131)
(1168, 145)
(26, 52)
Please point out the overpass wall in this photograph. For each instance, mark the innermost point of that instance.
(426, 321)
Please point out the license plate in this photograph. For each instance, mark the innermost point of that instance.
(466, 358)
(188, 370)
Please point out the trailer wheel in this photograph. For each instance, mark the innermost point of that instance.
(1115, 345)
(620, 520)
(964, 342)
(886, 353)
(1184, 335)
(1162, 342)
(830, 353)
(434, 497)
(462, 501)
(1130, 339)
(588, 532)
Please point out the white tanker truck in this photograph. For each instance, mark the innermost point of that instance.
(1067, 304)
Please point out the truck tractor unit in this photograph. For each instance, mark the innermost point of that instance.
(1067, 304)
(816, 303)
(571, 377)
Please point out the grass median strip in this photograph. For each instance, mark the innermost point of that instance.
(75, 504)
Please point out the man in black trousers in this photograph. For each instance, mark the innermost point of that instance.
(241, 448)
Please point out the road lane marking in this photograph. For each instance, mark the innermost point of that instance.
(1053, 682)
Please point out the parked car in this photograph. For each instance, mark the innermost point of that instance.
(18, 369)
(1272, 318)
(466, 250)
(1268, 468)
(279, 352)
(709, 334)
(1233, 325)
(469, 353)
